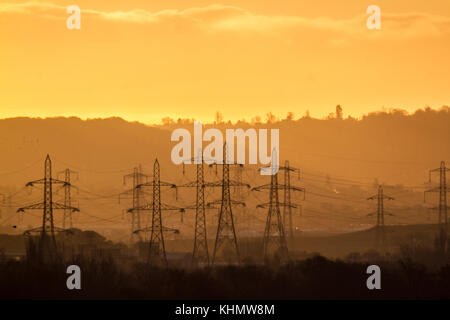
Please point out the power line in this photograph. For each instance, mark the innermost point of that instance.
(380, 231)
(21, 170)
(47, 244)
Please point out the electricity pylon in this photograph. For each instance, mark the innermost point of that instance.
(274, 241)
(380, 236)
(443, 218)
(47, 243)
(157, 250)
(200, 252)
(158, 253)
(137, 196)
(288, 205)
(67, 215)
(237, 170)
(226, 239)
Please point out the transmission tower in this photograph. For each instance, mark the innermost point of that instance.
(47, 243)
(157, 251)
(288, 205)
(443, 218)
(380, 236)
(67, 215)
(274, 240)
(226, 234)
(158, 254)
(137, 195)
(200, 252)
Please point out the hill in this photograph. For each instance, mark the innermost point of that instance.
(341, 160)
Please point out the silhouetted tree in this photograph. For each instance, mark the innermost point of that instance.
(339, 112)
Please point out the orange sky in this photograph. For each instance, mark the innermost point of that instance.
(144, 60)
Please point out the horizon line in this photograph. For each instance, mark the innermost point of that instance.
(257, 119)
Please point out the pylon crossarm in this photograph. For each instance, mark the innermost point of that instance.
(263, 187)
(190, 207)
(294, 188)
(194, 207)
(164, 229)
(192, 184)
(263, 205)
(231, 184)
(218, 202)
(67, 171)
(287, 168)
(39, 230)
(146, 207)
(279, 187)
(234, 183)
(281, 204)
(33, 231)
(67, 185)
(169, 207)
(441, 169)
(384, 197)
(161, 184)
(132, 175)
(56, 206)
(149, 206)
(213, 184)
(31, 183)
(34, 206)
(42, 181)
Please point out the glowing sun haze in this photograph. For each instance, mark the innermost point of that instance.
(145, 60)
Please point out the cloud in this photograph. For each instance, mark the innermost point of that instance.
(222, 18)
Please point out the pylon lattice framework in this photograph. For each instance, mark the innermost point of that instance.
(137, 197)
(46, 232)
(67, 215)
(380, 235)
(157, 251)
(274, 240)
(226, 239)
(442, 218)
(200, 252)
(287, 204)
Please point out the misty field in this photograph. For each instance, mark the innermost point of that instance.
(412, 272)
